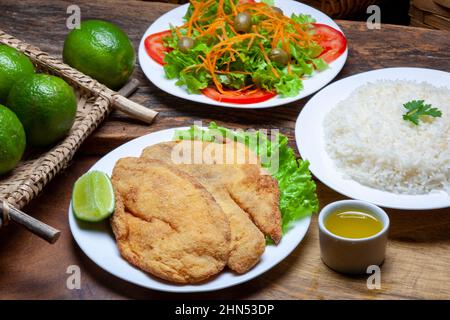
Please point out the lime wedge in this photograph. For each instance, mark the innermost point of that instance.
(93, 197)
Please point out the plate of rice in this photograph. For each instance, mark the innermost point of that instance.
(358, 138)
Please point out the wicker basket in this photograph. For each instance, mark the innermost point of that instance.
(38, 167)
(432, 14)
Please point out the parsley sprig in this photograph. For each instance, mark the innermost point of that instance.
(417, 109)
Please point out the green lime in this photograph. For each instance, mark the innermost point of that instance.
(93, 197)
(101, 50)
(12, 140)
(13, 66)
(46, 105)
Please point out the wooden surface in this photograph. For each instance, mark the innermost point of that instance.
(418, 255)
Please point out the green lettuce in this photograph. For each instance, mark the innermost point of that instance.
(302, 18)
(287, 85)
(184, 67)
(233, 80)
(298, 197)
(269, 2)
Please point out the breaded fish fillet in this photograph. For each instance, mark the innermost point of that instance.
(247, 242)
(259, 196)
(249, 185)
(166, 223)
(253, 189)
(224, 183)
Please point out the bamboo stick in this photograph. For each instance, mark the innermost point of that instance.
(37, 227)
(120, 102)
(133, 109)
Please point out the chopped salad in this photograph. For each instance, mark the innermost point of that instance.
(241, 51)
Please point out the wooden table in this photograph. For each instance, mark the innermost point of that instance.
(418, 255)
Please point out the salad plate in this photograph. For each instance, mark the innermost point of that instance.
(98, 243)
(318, 79)
(311, 140)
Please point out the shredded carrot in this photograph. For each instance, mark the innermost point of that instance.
(177, 31)
(249, 45)
(233, 8)
(245, 88)
(234, 71)
(268, 60)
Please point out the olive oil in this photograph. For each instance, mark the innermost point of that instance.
(353, 224)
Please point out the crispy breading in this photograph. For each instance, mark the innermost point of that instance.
(239, 169)
(166, 223)
(247, 242)
(231, 185)
(250, 186)
(258, 195)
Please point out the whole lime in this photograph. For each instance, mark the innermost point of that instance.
(13, 65)
(46, 105)
(12, 140)
(101, 50)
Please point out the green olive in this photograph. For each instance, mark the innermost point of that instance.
(185, 44)
(277, 10)
(243, 22)
(279, 56)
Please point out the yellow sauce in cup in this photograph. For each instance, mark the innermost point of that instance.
(353, 224)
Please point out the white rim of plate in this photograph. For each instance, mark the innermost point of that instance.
(309, 137)
(97, 242)
(154, 72)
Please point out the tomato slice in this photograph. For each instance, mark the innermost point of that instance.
(239, 97)
(155, 47)
(331, 40)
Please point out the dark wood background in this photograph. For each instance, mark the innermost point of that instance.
(418, 256)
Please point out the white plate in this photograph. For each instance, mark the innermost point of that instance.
(309, 134)
(97, 240)
(155, 72)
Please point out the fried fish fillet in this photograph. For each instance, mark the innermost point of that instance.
(250, 186)
(166, 223)
(247, 241)
(240, 171)
(233, 185)
(258, 195)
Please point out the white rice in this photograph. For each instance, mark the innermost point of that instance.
(370, 142)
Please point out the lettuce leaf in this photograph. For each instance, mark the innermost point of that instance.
(298, 197)
(302, 18)
(233, 80)
(248, 57)
(269, 2)
(183, 66)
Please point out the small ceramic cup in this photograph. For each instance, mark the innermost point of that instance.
(352, 256)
